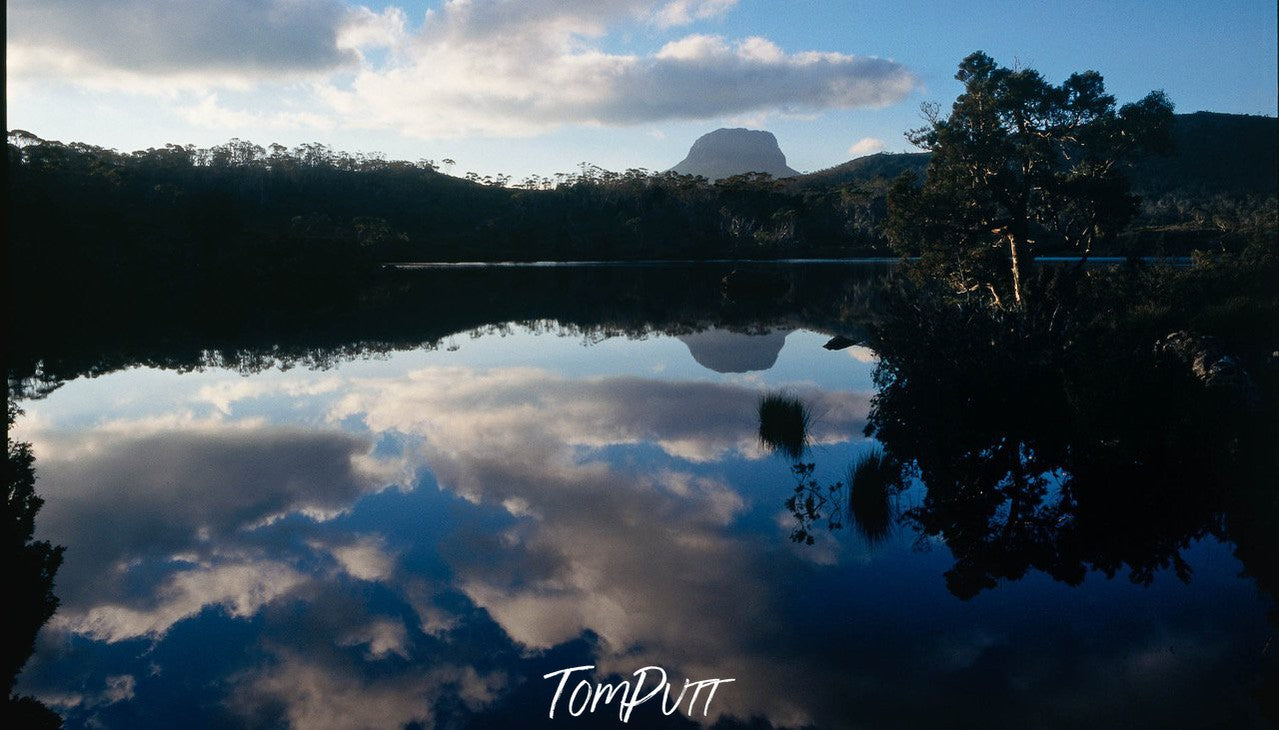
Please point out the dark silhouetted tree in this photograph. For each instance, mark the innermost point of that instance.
(29, 566)
(1019, 161)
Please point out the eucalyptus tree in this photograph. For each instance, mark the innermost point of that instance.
(1018, 162)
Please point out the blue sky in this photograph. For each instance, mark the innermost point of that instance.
(537, 86)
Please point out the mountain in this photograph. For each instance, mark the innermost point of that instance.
(727, 152)
(862, 169)
(725, 351)
(1215, 153)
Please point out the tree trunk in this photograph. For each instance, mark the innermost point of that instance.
(1014, 251)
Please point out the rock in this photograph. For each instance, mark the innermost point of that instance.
(727, 152)
(1211, 365)
(839, 342)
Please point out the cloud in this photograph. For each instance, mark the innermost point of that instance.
(320, 694)
(382, 637)
(518, 410)
(240, 589)
(491, 67)
(365, 29)
(116, 688)
(863, 354)
(364, 559)
(209, 112)
(526, 79)
(123, 499)
(223, 393)
(235, 38)
(638, 553)
(684, 12)
(503, 68)
(866, 146)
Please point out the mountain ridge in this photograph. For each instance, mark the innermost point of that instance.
(1214, 152)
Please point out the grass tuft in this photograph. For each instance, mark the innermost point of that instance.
(783, 424)
(872, 482)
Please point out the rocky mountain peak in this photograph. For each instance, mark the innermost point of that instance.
(727, 152)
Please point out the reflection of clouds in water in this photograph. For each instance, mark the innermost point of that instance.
(382, 638)
(655, 552)
(240, 589)
(116, 688)
(363, 559)
(521, 409)
(638, 555)
(345, 657)
(317, 696)
(863, 354)
(127, 504)
(225, 392)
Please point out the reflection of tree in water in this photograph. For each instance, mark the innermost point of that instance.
(867, 496)
(1044, 446)
(1045, 442)
(874, 482)
(783, 424)
(404, 310)
(29, 570)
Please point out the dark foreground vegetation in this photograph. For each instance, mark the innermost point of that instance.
(311, 224)
(29, 568)
(1065, 419)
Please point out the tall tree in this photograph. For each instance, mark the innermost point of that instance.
(1020, 161)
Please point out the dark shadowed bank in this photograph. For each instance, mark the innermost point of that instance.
(170, 218)
(29, 568)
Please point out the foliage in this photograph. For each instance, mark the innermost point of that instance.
(56, 337)
(1019, 161)
(811, 503)
(783, 424)
(30, 566)
(1106, 425)
(873, 481)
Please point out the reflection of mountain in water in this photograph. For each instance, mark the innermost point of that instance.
(735, 352)
(408, 309)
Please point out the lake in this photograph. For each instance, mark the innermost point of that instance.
(419, 512)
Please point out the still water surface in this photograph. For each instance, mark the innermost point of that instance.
(418, 538)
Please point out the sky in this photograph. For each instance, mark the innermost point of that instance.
(535, 87)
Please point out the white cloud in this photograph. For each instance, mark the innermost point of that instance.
(866, 146)
(240, 589)
(684, 12)
(364, 559)
(519, 410)
(365, 29)
(238, 38)
(489, 67)
(863, 354)
(536, 80)
(693, 48)
(116, 688)
(223, 393)
(127, 498)
(318, 695)
(208, 112)
(382, 636)
(640, 557)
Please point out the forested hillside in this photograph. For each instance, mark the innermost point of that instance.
(1218, 185)
(179, 218)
